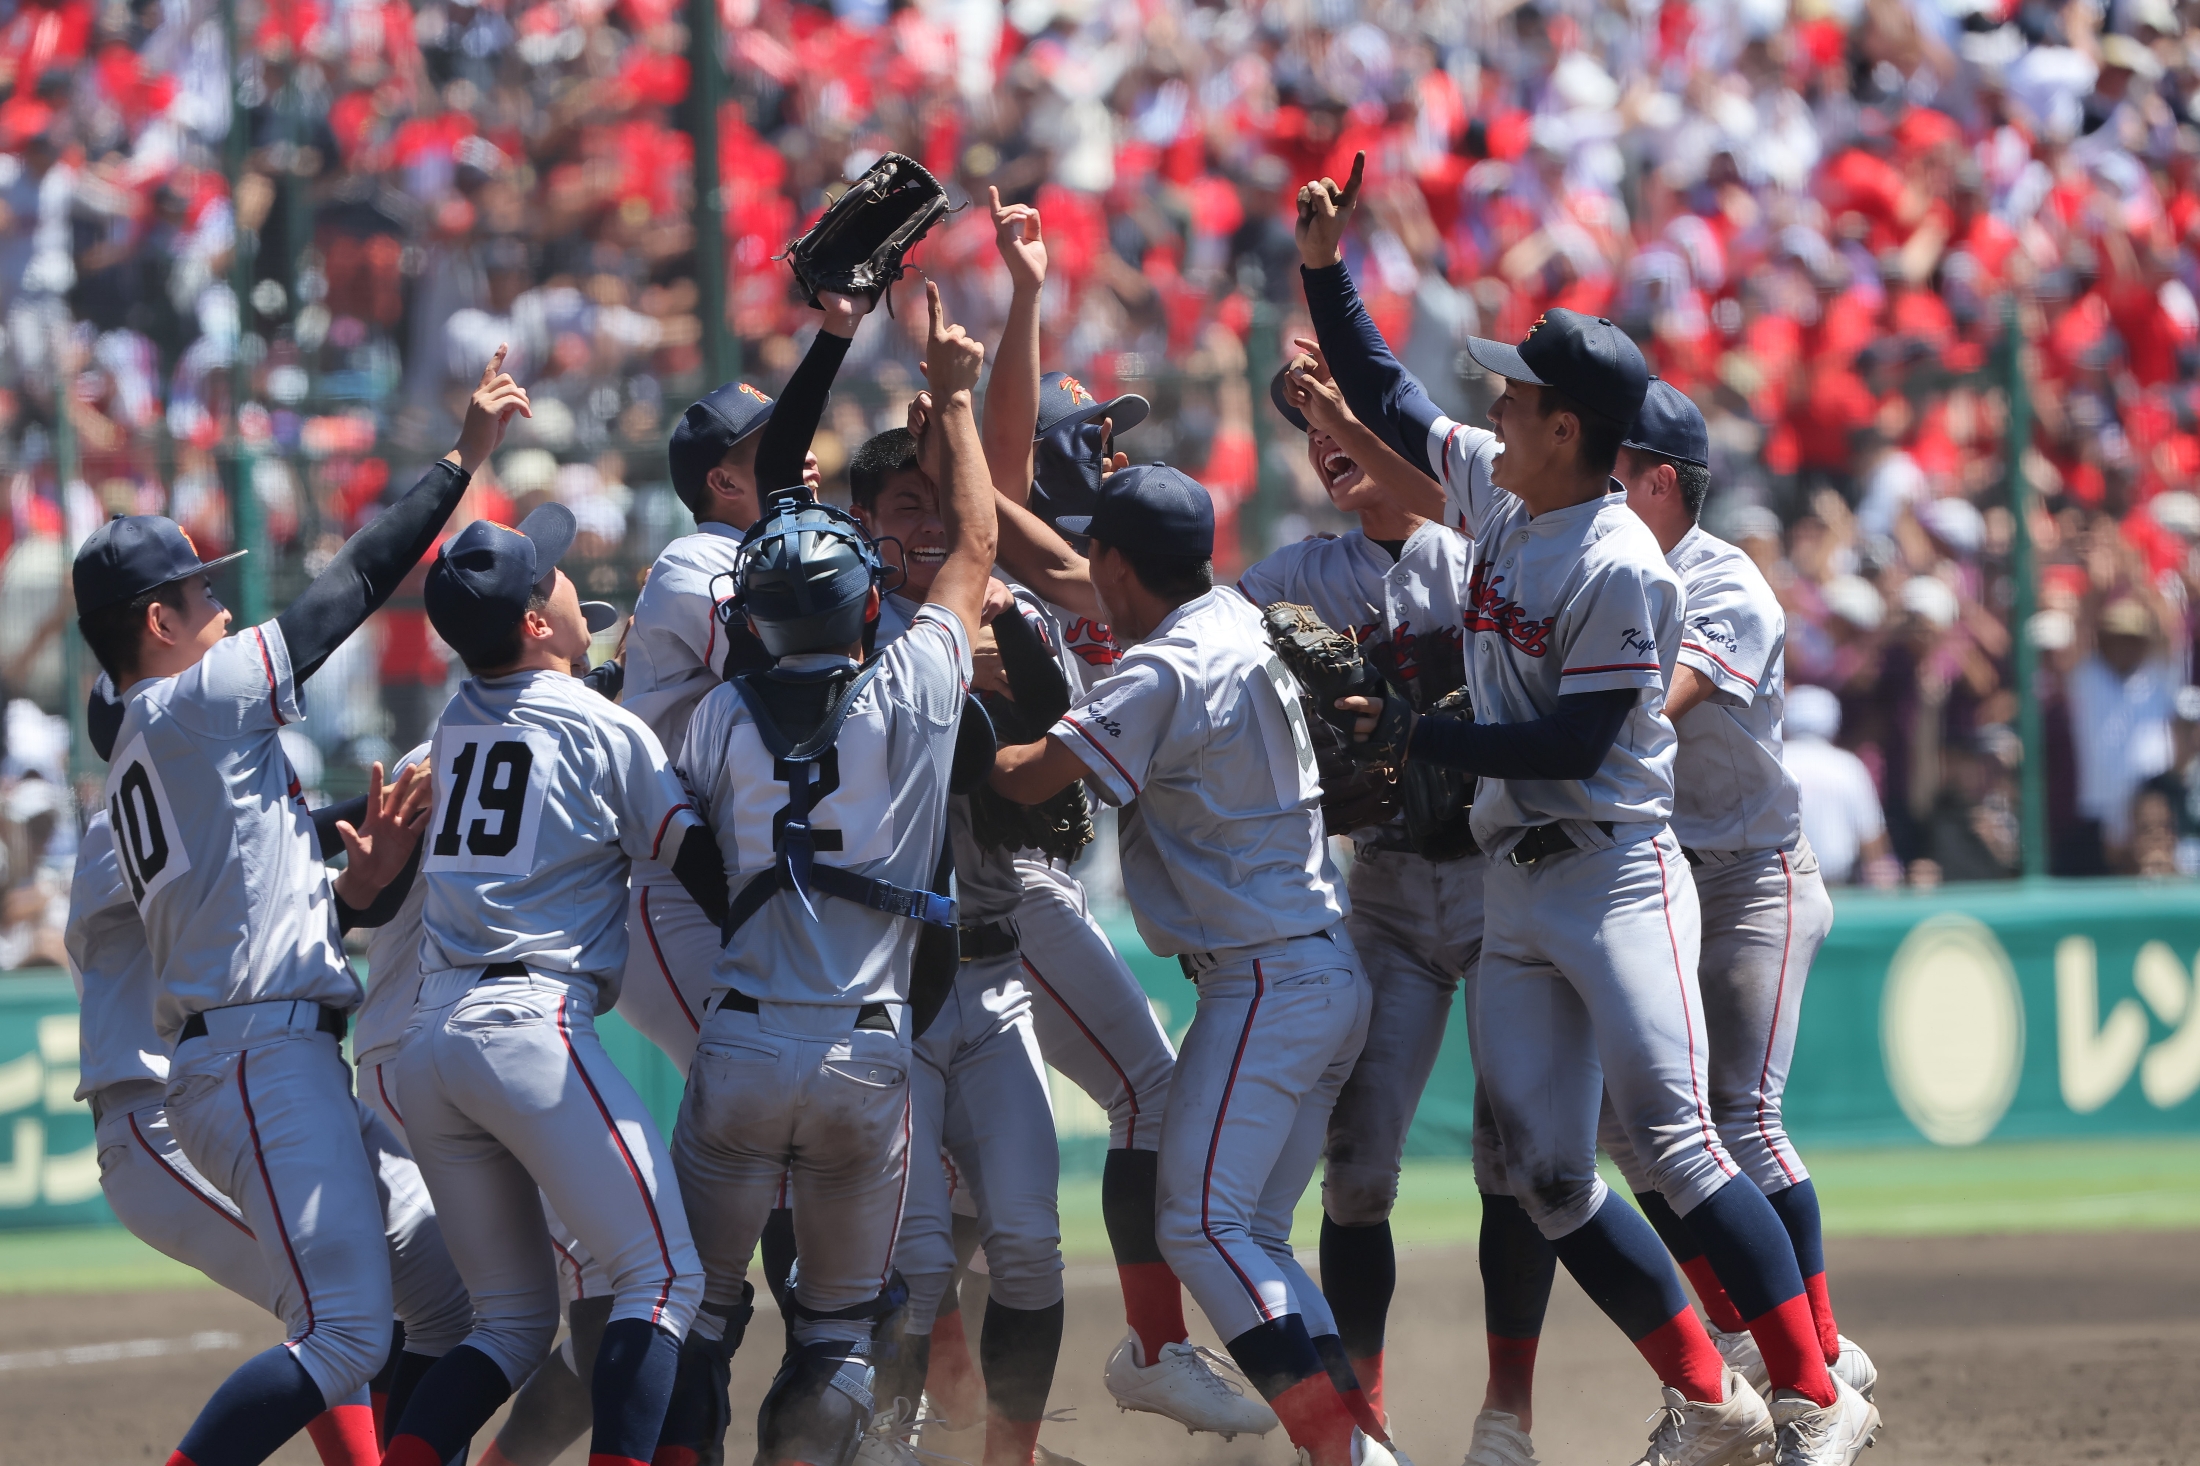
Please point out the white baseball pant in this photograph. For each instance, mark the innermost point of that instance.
(1277, 1031)
(797, 1092)
(1588, 983)
(1417, 925)
(262, 1105)
(1091, 1016)
(978, 1088)
(1765, 914)
(671, 947)
(579, 1275)
(506, 1089)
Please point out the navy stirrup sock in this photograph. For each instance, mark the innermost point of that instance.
(267, 1401)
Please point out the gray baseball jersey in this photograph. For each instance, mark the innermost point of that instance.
(1409, 605)
(881, 814)
(216, 843)
(1200, 725)
(674, 652)
(544, 795)
(113, 970)
(1731, 789)
(393, 967)
(1572, 600)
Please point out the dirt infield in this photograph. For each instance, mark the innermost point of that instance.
(2003, 1350)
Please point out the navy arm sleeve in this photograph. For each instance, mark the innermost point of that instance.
(1377, 387)
(796, 414)
(368, 568)
(702, 870)
(606, 679)
(1568, 743)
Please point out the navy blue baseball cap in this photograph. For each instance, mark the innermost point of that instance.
(1670, 426)
(479, 586)
(132, 554)
(1588, 358)
(709, 429)
(1277, 395)
(1154, 507)
(1063, 400)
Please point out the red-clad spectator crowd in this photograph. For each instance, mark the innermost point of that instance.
(1822, 219)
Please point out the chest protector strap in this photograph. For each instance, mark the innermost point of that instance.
(796, 868)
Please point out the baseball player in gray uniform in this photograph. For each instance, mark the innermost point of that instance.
(218, 851)
(1737, 816)
(825, 780)
(1226, 865)
(678, 650)
(545, 795)
(1591, 928)
(1393, 584)
(153, 1187)
(551, 1410)
(1048, 442)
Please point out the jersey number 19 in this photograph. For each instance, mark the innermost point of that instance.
(489, 796)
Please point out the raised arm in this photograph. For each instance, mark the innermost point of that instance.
(366, 571)
(1312, 389)
(951, 364)
(1385, 396)
(781, 455)
(1031, 551)
(1012, 392)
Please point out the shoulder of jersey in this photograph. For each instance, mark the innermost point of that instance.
(1718, 560)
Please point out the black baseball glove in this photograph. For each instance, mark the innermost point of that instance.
(1060, 825)
(1438, 800)
(858, 244)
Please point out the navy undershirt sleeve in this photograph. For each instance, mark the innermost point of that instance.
(1569, 742)
(796, 414)
(368, 568)
(1377, 387)
(701, 868)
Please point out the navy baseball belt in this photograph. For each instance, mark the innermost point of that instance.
(332, 1021)
(1543, 841)
(871, 1015)
(982, 939)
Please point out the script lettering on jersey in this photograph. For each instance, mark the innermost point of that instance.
(1487, 609)
(1093, 642)
(145, 827)
(1716, 634)
(489, 787)
(1641, 643)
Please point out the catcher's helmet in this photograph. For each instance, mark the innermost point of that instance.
(805, 575)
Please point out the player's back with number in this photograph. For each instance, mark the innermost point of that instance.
(1221, 767)
(545, 794)
(214, 839)
(879, 811)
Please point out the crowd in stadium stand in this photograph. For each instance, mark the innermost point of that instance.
(1822, 219)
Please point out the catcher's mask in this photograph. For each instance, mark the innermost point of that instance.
(805, 575)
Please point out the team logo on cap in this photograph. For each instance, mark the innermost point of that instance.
(748, 391)
(189, 543)
(1077, 392)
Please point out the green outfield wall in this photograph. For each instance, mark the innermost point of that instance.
(2018, 1011)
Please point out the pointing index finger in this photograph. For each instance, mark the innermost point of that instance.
(496, 364)
(1352, 184)
(932, 303)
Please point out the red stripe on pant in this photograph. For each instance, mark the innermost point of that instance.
(1214, 1147)
(649, 1203)
(1130, 1131)
(274, 1205)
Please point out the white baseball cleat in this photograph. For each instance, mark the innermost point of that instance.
(886, 1442)
(1365, 1452)
(1809, 1434)
(1188, 1385)
(1739, 1350)
(1499, 1441)
(1691, 1433)
(1856, 1367)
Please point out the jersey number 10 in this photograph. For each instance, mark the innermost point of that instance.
(144, 825)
